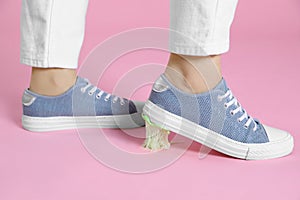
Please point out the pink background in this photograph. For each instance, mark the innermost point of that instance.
(262, 67)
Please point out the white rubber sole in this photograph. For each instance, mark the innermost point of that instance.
(43, 124)
(166, 121)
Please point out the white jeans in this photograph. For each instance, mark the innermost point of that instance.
(52, 31)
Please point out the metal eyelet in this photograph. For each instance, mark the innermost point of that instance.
(239, 121)
(231, 113)
(246, 127)
(106, 99)
(122, 103)
(97, 97)
(90, 93)
(225, 105)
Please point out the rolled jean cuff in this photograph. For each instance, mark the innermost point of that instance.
(44, 64)
(201, 50)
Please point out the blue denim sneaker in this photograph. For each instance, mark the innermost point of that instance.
(82, 106)
(214, 118)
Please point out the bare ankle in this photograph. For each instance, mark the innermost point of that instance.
(52, 81)
(194, 74)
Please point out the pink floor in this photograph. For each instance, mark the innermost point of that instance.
(262, 69)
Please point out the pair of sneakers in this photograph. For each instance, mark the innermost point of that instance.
(214, 118)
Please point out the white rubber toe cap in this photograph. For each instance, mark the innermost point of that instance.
(275, 134)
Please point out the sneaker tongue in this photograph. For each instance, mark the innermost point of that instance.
(222, 86)
(81, 81)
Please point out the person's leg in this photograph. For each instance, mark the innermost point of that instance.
(199, 35)
(192, 99)
(52, 33)
(51, 81)
(194, 74)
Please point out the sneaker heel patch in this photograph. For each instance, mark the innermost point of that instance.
(160, 85)
(27, 99)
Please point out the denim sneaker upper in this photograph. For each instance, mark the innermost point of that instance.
(83, 99)
(217, 110)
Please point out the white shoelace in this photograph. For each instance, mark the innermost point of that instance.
(233, 101)
(99, 95)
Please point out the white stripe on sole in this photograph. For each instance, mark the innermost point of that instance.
(43, 124)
